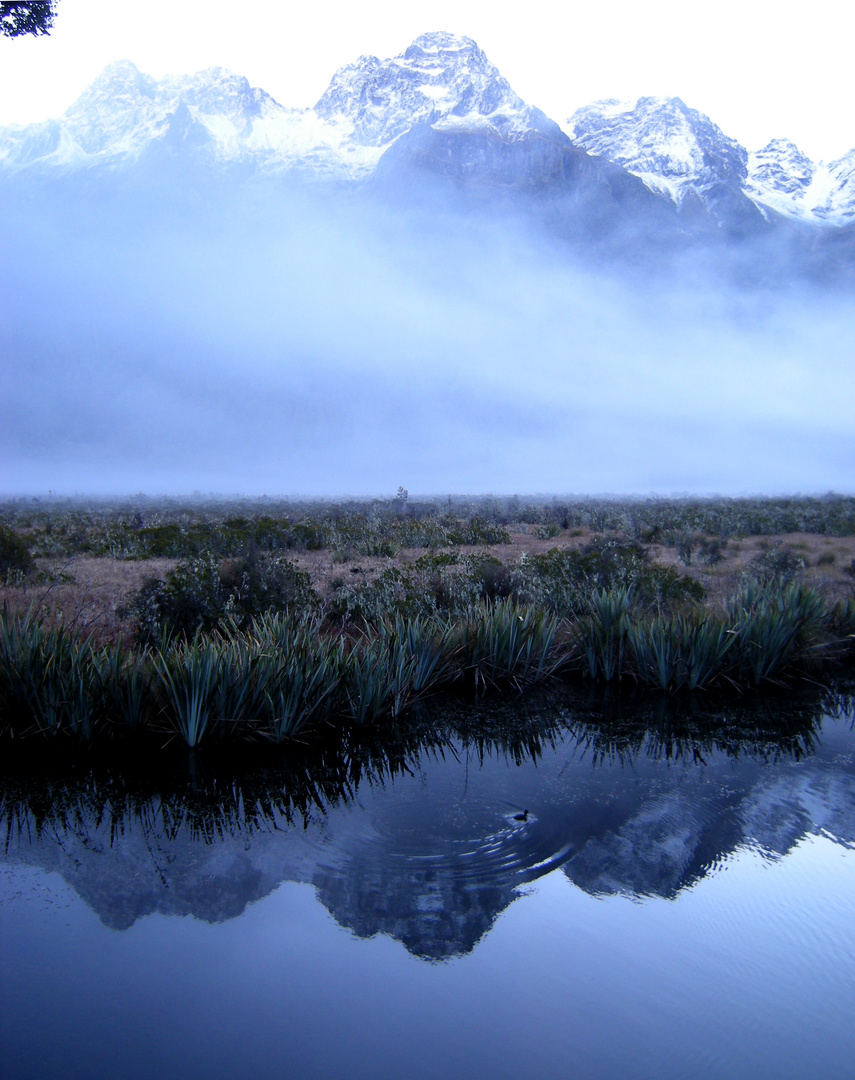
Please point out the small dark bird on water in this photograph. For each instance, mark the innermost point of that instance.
(521, 817)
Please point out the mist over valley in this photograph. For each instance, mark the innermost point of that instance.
(423, 280)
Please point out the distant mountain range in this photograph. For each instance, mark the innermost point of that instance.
(440, 120)
(681, 154)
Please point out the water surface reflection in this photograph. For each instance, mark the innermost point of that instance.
(427, 835)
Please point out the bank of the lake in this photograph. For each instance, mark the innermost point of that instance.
(280, 676)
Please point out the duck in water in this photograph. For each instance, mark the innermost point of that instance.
(521, 817)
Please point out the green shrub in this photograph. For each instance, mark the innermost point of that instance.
(378, 678)
(204, 592)
(379, 547)
(447, 583)
(842, 623)
(491, 576)
(396, 662)
(503, 642)
(304, 671)
(391, 594)
(667, 590)
(771, 625)
(478, 531)
(711, 551)
(190, 677)
(565, 581)
(778, 566)
(126, 685)
(15, 557)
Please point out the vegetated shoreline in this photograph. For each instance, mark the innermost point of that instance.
(235, 641)
(227, 784)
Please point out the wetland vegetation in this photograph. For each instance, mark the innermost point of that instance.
(223, 621)
(232, 791)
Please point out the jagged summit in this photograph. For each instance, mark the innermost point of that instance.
(782, 166)
(221, 118)
(441, 77)
(675, 150)
(785, 180)
(680, 153)
(440, 105)
(780, 177)
(124, 110)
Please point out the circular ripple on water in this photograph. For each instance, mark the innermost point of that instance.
(480, 837)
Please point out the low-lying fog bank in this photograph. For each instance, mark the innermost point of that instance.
(333, 349)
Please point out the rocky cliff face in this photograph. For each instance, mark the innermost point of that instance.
(684, 156)
(676, 151)
(783, 179)
(441, 78)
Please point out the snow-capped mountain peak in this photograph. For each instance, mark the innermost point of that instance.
(672, 148)
(441, 87)
(785, 180)
(679, 152)
(781, 165)
(441, 77)
(125, 112)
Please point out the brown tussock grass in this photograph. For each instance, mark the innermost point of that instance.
(88, 593)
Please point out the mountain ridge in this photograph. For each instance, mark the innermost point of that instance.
(439, 119)
(446, 81)
(679, 151)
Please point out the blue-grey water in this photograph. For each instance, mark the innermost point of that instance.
(578, 905)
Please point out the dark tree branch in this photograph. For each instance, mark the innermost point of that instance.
(21, 17)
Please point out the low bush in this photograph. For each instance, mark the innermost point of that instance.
(477, 531)
(771, 625)
(778, 566)
(503, 642)
(143, 528)
(205, 592)
(15, 557)
(564, 581)
(50, 681)
(601, 634)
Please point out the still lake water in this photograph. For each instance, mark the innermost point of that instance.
(580, 902)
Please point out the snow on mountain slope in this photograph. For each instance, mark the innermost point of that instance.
(125, 112)
(672, 148)
(445, 84)
(782, 178)
(779, 175)
(839, 204)
(441, 77)
(676, 151)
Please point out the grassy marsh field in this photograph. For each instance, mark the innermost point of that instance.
(206, 620)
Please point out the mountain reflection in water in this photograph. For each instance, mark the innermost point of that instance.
(427, 836)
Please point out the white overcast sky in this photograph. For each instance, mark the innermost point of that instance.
(759, 69)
